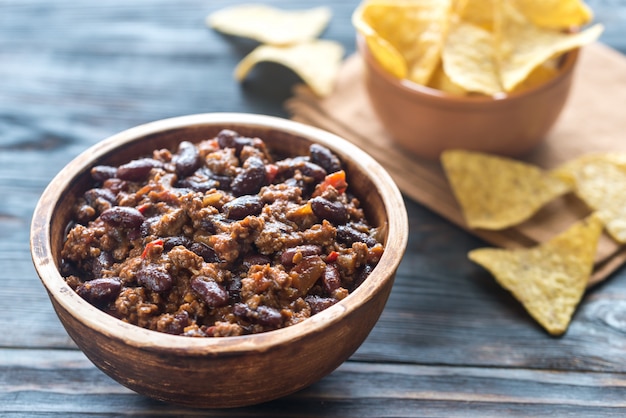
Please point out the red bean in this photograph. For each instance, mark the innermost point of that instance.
(100, 291)
(137, 170)
(243, 206)
(187, 160)
(207, 253)
(348, 235)
(210, 291)
(323, 157)
(155, 278)
(333, 212)
(331, 279)
(263, 315)
(287, 256)
(254, 259)
(123, 216)
(251, 179)
(231, 139)
(319, 303)
(103, 172)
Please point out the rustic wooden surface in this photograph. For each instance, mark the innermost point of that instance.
(450, 342)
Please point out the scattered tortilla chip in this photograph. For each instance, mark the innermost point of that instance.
(497, 192)
(550, 279)
(468, 59)
(523, 46)
(600, 181)
(555, 14)
(270, 25)
(412, 30)
(316, 62)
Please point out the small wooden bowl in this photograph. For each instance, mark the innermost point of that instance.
(426, 121)
(229, 371)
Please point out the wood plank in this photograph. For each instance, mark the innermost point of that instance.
(52, 381)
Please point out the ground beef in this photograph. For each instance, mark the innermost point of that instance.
(219, 238)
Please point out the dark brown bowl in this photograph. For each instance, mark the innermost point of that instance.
(426, 121)
(228, 371)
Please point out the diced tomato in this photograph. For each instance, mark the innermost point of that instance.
(270, 172)
(149, 247)
(336, 179)
(332, 257)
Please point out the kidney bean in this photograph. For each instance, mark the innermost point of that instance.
(255, 259)
(155, 278)
(251, 179)
(171, 242)
(362, 274)
(187, 160)
(288, 167)
(210, 291)
(103, 172)
(348, 235)
(331, 279)
(137, 170)
(175, 324)
(197, 184)
(319, 303)
(288, 256)
(263, 315)
(207, 253)
(334, 212)
(102, 262)
(93, 195)
(243, 206)
(115, 185)
(100, 291)
(323, 157)
(123, 216)
(231, 139)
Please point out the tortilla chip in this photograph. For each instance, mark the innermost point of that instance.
(270, 25)
(550, 279)
(468, 59)
(496, 192)
(600, 181)
(521, 46)
(413, 30)
(555, 14)
(316, 62)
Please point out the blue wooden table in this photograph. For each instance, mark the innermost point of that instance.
(450, 342)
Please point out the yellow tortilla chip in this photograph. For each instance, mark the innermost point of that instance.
(555, 14)
(538, 76)
(440, 81)
(468, 59)
(270, 25)
(521, 46)
(477, 12)
(550, 279)
(497, 192)
(600, 181)
(316, 62)
(414, 30)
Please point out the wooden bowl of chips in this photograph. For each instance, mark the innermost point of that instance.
(212, 372)
(426, 121)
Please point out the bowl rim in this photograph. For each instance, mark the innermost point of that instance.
(94, 318)
(440, 97)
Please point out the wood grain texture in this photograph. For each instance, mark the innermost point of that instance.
(450, 342)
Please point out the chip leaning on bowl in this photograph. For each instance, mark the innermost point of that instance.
(485, 76)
